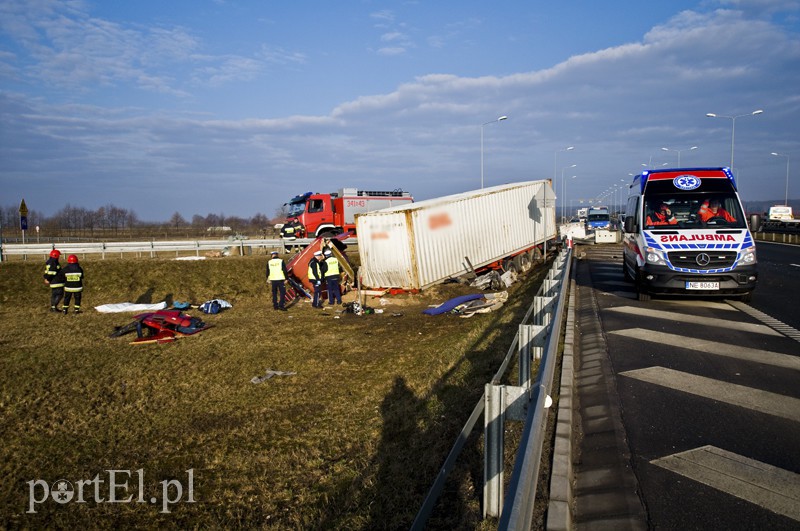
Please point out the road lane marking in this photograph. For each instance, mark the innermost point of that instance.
(696, 303)
(767, 486)
(768, 320)
(696, 319)
(776, 359)
(737, 395)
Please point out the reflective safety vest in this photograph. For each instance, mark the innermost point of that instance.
(74, 276)
(276, 269)
(333, 267)
(52, 273)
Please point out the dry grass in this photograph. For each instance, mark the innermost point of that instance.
(352, 441)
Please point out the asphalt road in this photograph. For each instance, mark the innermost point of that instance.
(778, 291)
(710, 397)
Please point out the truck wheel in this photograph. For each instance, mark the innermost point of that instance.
(523, 262)
(510, 265)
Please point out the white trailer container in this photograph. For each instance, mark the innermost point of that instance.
(417, 245)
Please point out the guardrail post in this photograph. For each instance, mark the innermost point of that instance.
(501, 402)
(542, 306)
(532, 339)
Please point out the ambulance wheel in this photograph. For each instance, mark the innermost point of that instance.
(641, 291)
(625, 275)
(746, 297)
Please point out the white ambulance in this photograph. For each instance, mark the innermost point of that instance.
(685, 233)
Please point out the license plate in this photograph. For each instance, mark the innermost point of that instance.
(702, 285)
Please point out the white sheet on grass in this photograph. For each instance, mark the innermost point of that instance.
(130, 307)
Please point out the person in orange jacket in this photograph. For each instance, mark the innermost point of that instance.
(662, 216)
(713, 209)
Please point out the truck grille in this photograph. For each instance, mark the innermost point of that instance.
(708, 259)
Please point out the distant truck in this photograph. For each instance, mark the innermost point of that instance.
(418, 245)
(312, 215)
(598, 218)
(781, 219)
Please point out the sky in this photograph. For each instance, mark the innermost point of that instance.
(233, 107)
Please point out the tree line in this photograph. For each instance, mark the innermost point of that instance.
(112, 221)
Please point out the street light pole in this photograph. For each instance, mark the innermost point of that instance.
(564, 189)
(679, 152)
(482, 125)
(786, 196)
(733, 125)
(555, 164)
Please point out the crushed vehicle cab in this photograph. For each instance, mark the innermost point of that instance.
(685, 233)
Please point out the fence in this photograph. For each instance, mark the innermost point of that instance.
(151, 248)
(527, 402)
(778, 237)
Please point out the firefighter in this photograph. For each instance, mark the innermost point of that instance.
(54, 277)
(317, 268)
(276, 276)
(332, 278)
(73, 273)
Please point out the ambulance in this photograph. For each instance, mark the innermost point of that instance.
(685, 233)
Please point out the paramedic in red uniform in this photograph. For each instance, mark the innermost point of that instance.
(712, 209)
(662, 216)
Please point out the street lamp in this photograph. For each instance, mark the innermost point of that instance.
(555, 158)
(786, 196)
(482, 125)
(564, 188)
(679, 152)
(733, 125)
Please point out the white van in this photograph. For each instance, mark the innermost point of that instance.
(685, 233)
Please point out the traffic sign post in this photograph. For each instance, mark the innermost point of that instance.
(23, 218)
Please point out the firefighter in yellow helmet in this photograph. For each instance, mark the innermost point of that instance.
(276, 276)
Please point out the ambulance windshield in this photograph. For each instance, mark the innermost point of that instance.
(693, 211)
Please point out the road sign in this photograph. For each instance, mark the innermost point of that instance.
(23, 222)
(23, 209)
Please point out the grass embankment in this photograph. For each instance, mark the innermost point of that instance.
(353, 440)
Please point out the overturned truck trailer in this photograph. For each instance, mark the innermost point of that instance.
(421, 244)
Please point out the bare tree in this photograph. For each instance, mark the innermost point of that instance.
(177, 221)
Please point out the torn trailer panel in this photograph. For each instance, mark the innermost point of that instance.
(418, 245)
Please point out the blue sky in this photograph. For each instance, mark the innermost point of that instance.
(234, 106)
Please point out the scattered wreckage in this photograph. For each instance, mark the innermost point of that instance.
(162, 326)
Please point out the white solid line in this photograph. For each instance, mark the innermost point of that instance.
(738, 395)
(767, 486)
(776, 359)
(696, 319)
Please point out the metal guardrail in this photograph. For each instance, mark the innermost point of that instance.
(532, 341)
(151, 247)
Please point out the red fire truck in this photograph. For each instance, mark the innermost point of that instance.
(312, 215)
